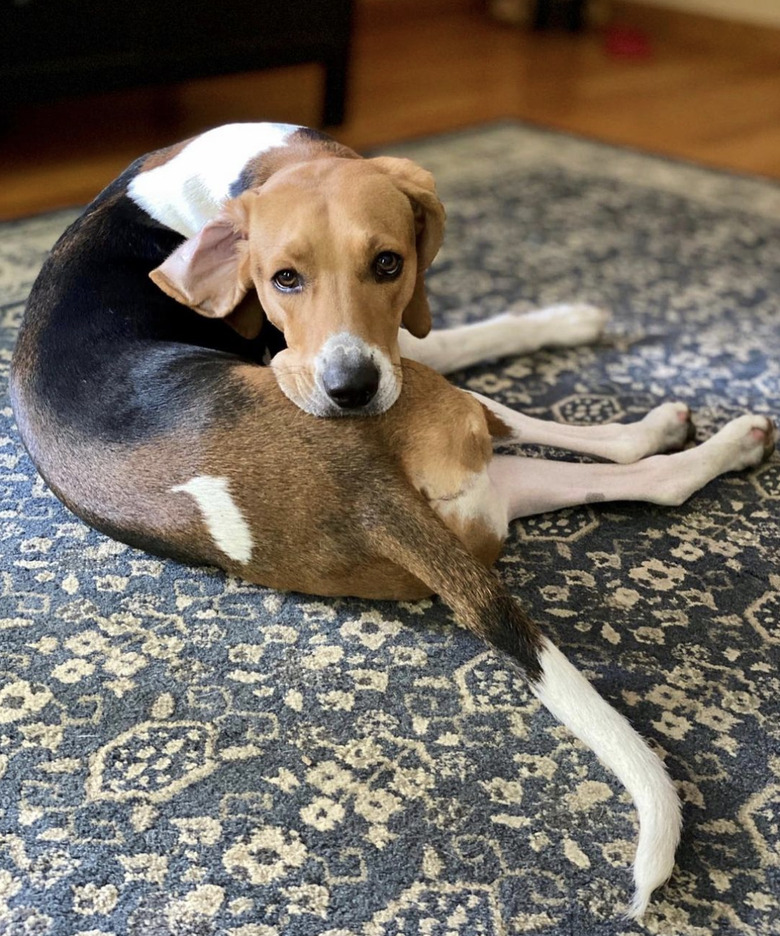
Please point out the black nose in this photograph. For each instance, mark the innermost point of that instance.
(351, 383)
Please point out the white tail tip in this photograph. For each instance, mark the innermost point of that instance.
(573, 701)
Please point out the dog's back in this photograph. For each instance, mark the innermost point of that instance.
(107, 367)
(93, 317)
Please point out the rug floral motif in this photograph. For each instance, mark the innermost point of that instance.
(182, 754)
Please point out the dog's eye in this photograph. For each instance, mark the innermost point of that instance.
(388, 265)
(287, 280)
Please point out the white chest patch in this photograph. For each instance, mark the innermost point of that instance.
(189, 189)
(224, 520)
(478, 501)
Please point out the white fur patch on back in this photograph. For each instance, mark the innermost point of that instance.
(188, 190)
(224, 520)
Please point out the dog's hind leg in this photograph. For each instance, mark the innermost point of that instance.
(666, 428)
(450, 349)
(534, 485)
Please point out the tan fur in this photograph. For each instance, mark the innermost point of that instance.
(162, 156)
(442, 444)
(303, 489)
(331, 238)
(299, 147)
(302, 484)
(327, 217)
(122, 490)
(498, 428)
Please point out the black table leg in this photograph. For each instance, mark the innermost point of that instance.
(335, 97)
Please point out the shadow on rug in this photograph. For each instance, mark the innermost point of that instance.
(185, 755)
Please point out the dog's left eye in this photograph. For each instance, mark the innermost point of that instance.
(388, 265)
(287, 280)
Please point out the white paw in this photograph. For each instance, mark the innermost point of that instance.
(568, 325)
(669, 428)
(745, 442)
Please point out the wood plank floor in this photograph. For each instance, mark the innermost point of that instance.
(710, 94)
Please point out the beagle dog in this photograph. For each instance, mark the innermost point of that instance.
(140, 390)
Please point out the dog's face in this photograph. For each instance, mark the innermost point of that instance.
(335, 250)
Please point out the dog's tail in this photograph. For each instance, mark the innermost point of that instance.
(418, 541)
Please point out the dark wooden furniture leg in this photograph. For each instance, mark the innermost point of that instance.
(335, 95)
(570, 13)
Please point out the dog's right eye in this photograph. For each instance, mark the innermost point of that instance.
(287, 280)
(388, 265)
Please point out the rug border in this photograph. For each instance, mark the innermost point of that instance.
(524, 123)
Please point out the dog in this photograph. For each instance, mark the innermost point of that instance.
(140, 390)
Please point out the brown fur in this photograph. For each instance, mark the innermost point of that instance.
(396, 506)
(151, 425)
(162, 156)
(327, 217)
(498, 428)
(306, 524)
(301, 146)
(305, 486)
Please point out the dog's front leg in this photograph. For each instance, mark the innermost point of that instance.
(666, 428)
(533, 485)
(512, 333)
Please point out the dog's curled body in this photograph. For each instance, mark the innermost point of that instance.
(163, 429)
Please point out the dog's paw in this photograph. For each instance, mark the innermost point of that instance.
(670, 427)
(568, 325)
(745, 442)
(667, 428)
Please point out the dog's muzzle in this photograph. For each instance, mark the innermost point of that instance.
(350, 378)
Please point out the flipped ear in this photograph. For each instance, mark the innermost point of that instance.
(209, 272)
(419, 186)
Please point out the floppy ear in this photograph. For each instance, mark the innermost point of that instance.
(209, 272)
(418, 184)
(248, 316)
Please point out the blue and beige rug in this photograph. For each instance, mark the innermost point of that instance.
(184, 755)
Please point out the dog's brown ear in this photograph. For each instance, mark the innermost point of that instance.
(248, 316)
(209, 272)
(418, 184)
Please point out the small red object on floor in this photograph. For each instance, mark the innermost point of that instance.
(627, 42)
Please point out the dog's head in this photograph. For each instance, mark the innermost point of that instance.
(335, 250)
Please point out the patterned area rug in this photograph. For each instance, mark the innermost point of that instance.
(184, 755)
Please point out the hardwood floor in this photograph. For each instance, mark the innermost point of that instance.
(709, 92)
